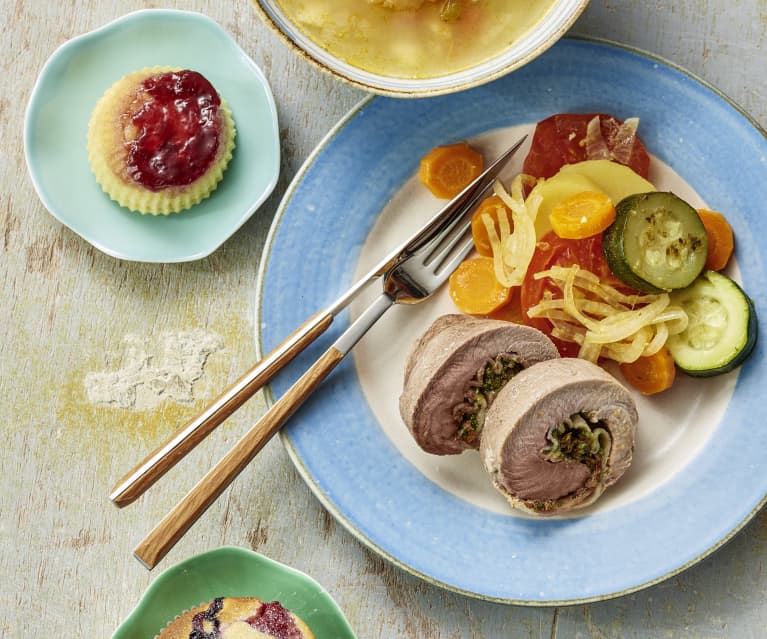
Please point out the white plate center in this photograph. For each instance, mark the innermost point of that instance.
(673, 426)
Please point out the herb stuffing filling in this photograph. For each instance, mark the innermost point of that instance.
(578, 439)
(480, 393)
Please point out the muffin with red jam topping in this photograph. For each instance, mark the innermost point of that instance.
(160, 139)
(237, 618)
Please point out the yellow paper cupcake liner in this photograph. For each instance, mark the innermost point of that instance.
(107, 153)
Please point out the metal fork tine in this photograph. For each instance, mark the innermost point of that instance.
(430, 248)
(407, 279)
(436, 259)
(464, 200)
(427, 245)
(458, 257)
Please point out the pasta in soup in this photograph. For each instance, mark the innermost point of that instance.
(415, 38)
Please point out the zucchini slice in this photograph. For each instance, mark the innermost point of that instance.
(722, 326)
(656, 243)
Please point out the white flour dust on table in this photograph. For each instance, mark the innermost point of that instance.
(154, 370)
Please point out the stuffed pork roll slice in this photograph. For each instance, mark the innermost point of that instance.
(557, 435)
(455, 370)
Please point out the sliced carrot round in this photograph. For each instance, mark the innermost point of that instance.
(494, 207)
(651, 374)
(721, 241)
(447, 170)
(474, 288)
(582, 215)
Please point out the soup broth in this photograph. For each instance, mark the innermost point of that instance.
(415, 43)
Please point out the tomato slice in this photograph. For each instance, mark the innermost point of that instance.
(559, 140)
(553, 250)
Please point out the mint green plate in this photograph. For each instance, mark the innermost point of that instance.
(233, 572)
(75, 77)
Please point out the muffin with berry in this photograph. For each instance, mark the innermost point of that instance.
(160, 139)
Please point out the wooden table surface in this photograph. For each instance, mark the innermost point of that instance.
(70, 312)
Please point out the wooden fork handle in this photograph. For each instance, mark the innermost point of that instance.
(175, 524)
(132, 485)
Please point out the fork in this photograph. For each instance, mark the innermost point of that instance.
(133, 484)
(412, 279)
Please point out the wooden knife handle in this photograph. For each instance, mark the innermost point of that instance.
(175, 524)
(164, 457)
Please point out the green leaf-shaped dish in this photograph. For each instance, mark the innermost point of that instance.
(233, 572)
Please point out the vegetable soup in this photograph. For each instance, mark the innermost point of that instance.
(429, 39)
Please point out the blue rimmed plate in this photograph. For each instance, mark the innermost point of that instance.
(694, 481)
(75, 77)
(233, 572)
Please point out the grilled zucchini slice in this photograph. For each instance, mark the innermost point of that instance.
(656, 243)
